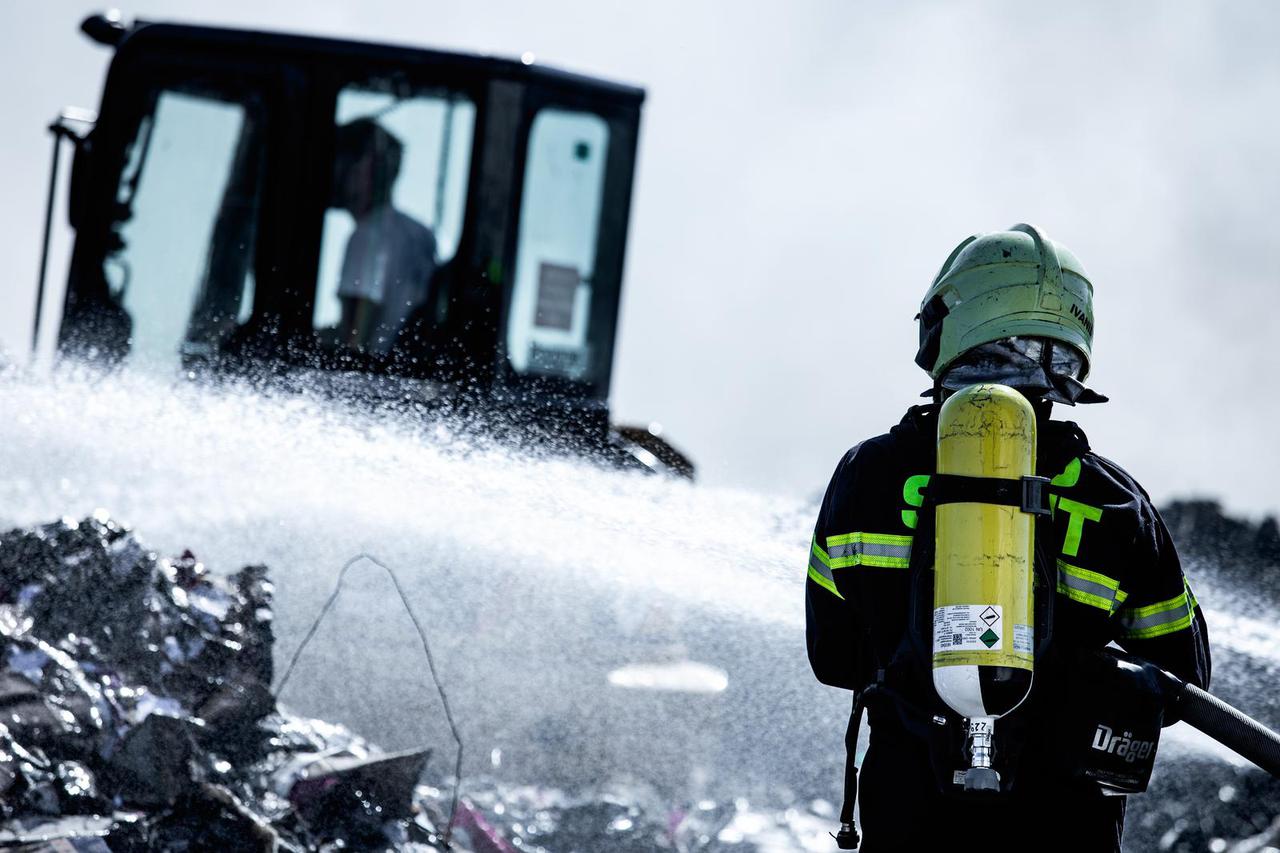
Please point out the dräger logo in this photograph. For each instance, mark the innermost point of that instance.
(1124, 746)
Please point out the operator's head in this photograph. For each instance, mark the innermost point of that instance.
(366, 164)
(1012, 307)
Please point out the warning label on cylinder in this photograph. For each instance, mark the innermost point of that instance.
(1023, 639)
(968, 628)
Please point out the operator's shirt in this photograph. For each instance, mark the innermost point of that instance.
(1118, 579)
(389, 262)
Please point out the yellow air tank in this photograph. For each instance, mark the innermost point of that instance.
(983, 617)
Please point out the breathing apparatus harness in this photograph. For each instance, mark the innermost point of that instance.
(1030, 494)
(1084, 685)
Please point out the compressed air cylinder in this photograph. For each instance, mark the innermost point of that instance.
(983, 625)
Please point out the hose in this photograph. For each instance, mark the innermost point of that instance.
(1230, 727)
(431, 665)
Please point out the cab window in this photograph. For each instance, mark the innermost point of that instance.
(180, 274)
(395, 213)
(549, 330)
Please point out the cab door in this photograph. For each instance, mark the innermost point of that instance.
(572, 194)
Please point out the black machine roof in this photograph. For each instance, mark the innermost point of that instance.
(113, 32)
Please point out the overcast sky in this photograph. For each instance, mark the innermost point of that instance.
(805, 169)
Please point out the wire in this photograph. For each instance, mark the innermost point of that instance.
(431, 663)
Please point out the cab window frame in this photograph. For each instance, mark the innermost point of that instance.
(328, 83)
(621, 118)
(136, 83)
(300, 78)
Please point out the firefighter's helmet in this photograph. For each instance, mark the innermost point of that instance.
(1015, 283)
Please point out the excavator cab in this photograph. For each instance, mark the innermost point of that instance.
(410, 223)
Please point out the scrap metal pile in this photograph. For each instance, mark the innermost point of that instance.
(136, 715)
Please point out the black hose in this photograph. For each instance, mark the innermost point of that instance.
(1230, 727)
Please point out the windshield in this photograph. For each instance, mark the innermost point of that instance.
(179, 273)
(395, 213)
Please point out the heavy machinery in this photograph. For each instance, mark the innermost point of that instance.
(380, 222)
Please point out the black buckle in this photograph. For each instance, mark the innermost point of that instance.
(1035, 495)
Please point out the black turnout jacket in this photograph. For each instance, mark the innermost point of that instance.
(1118, 579)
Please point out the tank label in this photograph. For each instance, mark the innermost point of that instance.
(1023, 639)
(968, 628)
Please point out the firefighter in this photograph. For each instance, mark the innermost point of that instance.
(1014, 308)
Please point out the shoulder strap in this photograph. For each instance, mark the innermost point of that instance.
(847, 838)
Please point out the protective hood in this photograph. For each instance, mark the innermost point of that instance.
(1039, 368)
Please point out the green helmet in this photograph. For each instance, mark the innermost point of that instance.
(1000, 285)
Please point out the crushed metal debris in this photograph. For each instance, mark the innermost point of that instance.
(136, 715)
